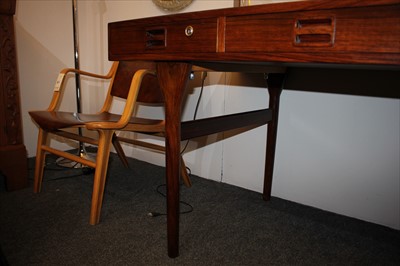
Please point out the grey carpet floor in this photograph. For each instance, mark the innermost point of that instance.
(228, 225)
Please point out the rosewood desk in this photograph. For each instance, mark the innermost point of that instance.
(346, 34)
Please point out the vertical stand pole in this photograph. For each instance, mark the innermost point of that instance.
(82, 151)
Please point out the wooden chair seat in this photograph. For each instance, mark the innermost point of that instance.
(55, 120)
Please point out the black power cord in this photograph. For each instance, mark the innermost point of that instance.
(203, 78)
(155, 214)
(49, 166)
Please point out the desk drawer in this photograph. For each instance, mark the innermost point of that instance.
(319, 31)
(192, 36)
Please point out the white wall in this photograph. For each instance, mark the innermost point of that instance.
(334, 152)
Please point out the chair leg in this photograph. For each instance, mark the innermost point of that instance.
(184, 174)
(103, 153)
(40, 159)
(120, 151)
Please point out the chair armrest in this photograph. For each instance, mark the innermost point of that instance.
(129, 104)
(59, 85)
(85, 73)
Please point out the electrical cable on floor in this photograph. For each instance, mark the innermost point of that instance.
(155, 214)
(83, 171)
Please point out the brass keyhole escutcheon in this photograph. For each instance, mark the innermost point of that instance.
(189, 31)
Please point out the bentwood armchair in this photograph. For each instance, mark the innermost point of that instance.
(133, 81)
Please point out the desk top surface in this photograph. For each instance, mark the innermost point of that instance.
(346, 32)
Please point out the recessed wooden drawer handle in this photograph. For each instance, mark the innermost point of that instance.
(314, 32)
(155, 38)
(189, 31)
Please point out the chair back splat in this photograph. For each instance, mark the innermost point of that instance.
(150, 91)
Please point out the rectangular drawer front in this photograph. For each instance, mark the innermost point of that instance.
(203, 37)
(321, 31)
(192, 36)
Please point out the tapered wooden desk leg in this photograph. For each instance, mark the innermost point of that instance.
(173, 78)
(275, 84)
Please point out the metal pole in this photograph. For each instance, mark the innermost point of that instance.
(77, 76)
(82, 151)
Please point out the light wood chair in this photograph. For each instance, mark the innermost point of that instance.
(134, 81)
